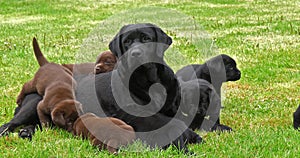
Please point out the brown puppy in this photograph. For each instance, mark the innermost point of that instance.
(105, 62)
(55, 83)
(106, 132)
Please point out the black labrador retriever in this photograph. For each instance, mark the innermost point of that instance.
(217, 70)
(142, 90)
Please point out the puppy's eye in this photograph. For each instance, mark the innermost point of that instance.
(231, 68)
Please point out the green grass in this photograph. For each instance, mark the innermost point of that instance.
(263, 36)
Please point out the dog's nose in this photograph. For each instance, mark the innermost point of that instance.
(136, 53)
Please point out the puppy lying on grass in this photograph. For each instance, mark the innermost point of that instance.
(56, 84)
(105, 132)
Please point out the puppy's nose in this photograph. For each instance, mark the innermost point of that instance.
(136, 53)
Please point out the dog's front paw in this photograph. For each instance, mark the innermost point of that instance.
(4, 130)
(221, 128)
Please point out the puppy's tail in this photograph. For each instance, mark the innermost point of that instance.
(38, 53)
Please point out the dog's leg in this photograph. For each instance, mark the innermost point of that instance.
(126, 127)
(43, 116)
(112, 145)
(96, 142)
(27, 88)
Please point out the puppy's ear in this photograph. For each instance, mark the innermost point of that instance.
(58, 118)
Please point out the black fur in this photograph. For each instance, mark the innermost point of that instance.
(142, 78)
(296, 118)
(200, 104)
(26, 116)
(216, 71)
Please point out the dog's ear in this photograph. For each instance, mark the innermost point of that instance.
(162, 37)
(115, 45)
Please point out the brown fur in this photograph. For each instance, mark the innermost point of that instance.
(106, 132)
(105, 62)
(56, 84)
(82, 68)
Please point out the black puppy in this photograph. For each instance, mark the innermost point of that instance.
(216, 70)
(128, 91)
(296, 118)
(25, 115)
(200, 104)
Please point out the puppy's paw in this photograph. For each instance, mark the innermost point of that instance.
(221, 128)
(198, 140)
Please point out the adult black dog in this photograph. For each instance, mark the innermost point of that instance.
(142, 90)
(216, 71)
(141, 74)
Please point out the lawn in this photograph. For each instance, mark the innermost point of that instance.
(262, 35)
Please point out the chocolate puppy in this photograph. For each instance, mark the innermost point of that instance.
(105, 132)
(105, 62)
(55, 83)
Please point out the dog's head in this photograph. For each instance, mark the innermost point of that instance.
(134, 35)
(222, 68)
(66, 113)
(105, 62)
(140, 46)
(232, 72)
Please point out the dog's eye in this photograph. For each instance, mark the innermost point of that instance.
(108, 63)
(146, 38)
(231, 68)
(127, 41)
